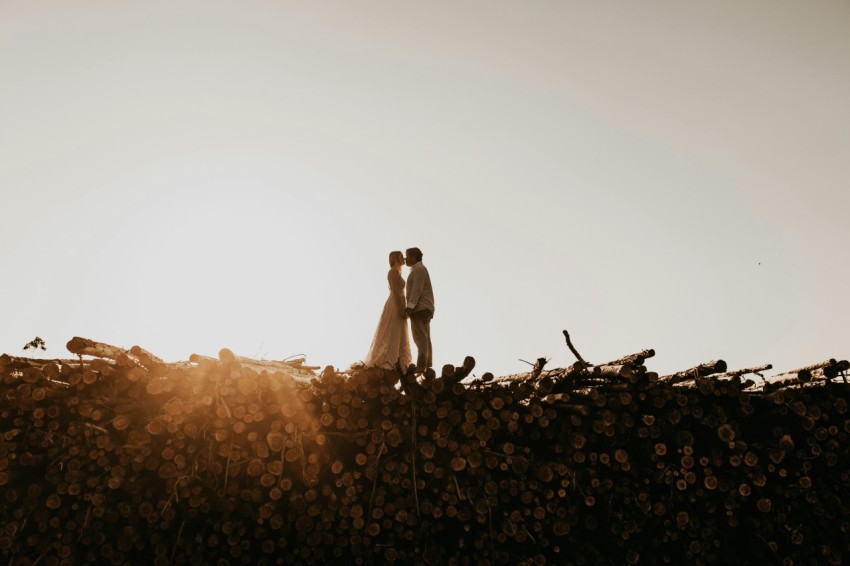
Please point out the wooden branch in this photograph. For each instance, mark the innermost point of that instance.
(632, 359)
(744, 371)
(538, 367)
(452, 375)
(19, 362)
(409, 385)
(86, 347)
(578, 374)
(702, 370)
(226, 356)
(834, 370)
(464, 369)
(790, 380)
(828, 369)
(524, 377)
(613, 370)
(572, 348)
(295, 371)
(142, 353)
(821, 365)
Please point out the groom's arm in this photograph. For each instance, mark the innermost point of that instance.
(415, 284)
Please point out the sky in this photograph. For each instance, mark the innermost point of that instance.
(188, 176)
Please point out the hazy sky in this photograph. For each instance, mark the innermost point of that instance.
(191, 175)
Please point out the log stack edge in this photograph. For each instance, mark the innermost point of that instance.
(116, 457)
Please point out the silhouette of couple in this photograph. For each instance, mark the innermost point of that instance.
(412, 300)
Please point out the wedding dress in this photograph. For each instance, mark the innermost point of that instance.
(391, 343)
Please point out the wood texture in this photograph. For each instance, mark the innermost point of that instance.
(223, 460)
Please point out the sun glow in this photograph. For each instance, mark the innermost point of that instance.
(200, 268)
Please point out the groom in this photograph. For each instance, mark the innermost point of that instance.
(420, 306)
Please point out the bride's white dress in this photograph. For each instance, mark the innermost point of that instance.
(391, 343)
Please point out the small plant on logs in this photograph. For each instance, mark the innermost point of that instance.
(36, 343)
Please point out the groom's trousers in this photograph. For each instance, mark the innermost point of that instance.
(420, 328)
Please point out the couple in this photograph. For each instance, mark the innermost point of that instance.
(414, 300)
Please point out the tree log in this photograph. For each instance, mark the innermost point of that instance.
(828, 369)
(741, 372)
(702, 370)
(86, 347)
(632, 359)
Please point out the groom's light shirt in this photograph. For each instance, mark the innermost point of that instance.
(420, 295)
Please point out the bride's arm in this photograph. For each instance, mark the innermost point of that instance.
(397, 288)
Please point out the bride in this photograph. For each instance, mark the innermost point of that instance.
(391, 344)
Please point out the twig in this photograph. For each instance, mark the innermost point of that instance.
(94, 426)
(538, 368)
(349, 434)
(85, 523)
(40, 556)
(457, 487)
(303, 459)
(413, 457)
(176, 542)
(227, 466)
(490, 526)
(209, 463)
(174, 495)
(745, 371)
(226, 407)
(375, 481)
(501, 455)
(573, 350)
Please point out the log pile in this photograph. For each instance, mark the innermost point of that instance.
(117, 457)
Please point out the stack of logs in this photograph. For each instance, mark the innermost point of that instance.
(121, 458)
